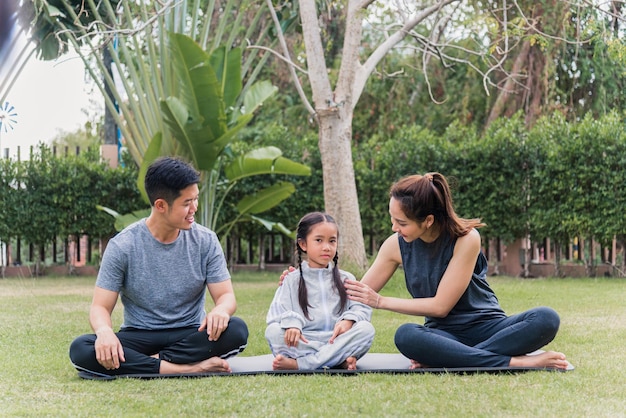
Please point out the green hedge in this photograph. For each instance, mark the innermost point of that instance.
(47, 197)
(557, 180)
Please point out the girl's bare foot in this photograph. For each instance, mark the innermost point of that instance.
(284, 363)
(349, 363)
(416, 365)
(548, 359)
(213, 364)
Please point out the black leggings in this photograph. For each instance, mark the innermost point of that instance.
(487, 344)
(179, 345)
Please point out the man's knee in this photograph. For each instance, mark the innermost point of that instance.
(82, 350)
(238, 330)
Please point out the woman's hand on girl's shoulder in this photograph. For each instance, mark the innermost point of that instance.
(284, 274)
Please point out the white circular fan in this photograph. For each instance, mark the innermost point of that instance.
(8, 120)
(7, 117)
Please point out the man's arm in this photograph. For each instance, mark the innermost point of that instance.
(109, 350)
(216, 320)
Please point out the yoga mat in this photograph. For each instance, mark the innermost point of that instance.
(370, 363)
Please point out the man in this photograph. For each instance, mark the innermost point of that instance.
(161, 266)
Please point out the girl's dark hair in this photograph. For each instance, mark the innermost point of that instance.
(420, 196)
(305, 225)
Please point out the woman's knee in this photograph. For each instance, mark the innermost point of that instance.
(406, 336)
(549, 319)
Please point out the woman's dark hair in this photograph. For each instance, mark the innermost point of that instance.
(420, 196)
(166, 177)
(305, 225)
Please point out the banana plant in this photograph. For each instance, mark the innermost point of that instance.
(204, 120)
(154, 117)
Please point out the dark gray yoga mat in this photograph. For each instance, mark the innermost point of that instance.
(370, 363)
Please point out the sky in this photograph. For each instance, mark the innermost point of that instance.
(48, 97)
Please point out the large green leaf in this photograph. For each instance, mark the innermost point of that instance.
(197, 144)
(257, 94)
(152, 153)
(200, 90)
(274, 226)
(265, 199)
(227, 66)
(232, 132)
(122, 221)
(267, 160)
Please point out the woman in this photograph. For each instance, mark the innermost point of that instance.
(445, 272)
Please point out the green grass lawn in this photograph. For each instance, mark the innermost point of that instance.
(40, 317)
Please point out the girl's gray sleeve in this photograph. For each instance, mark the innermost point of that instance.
(355, 311)
(285, 306)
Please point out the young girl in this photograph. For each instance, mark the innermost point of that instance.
(311, 322)
(445, 273)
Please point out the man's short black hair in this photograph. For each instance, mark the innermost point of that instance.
(167, 176)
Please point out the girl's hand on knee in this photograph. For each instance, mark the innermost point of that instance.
(293, 336)
(342, 326)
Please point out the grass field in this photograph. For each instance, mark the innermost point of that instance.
(40, 317)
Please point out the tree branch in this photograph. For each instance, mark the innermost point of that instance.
(365, 70)
(283, 44)
(287, 60)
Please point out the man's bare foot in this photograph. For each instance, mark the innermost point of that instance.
(284, 363)
(416, 365)
(213, 364)
(349, 363)
(548, 359)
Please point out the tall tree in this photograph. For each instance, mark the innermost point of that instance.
(428, 29)
(333, 105)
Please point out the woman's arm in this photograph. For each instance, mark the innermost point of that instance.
(452, 286)
(385, 264)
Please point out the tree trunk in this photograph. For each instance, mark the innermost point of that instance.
(333, 112)
(502, 105)
(340, 195)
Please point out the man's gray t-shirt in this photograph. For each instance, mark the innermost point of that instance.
(162, 286)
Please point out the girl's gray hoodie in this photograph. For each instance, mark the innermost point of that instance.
(323, 299)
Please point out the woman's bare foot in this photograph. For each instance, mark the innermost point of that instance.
(548, 359)
(349, 363)
(416, 365)
(284, 363)
(213, 364)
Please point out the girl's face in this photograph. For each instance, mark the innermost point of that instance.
(320, 244)
(409, 229)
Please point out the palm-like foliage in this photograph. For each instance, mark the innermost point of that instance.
(183, 85)
(198, 121)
